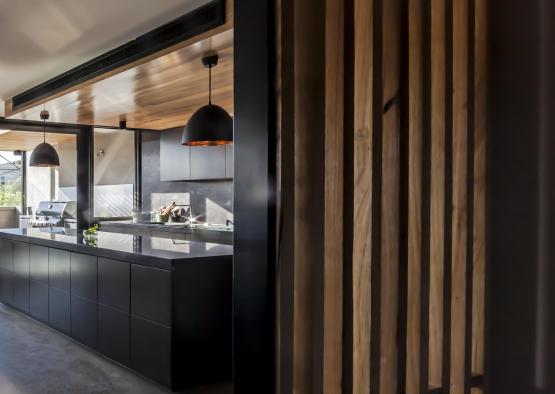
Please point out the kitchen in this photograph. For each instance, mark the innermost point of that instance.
(117, 200)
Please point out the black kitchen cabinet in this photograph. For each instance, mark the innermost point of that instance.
(113, 284)
(207, 162)
(38, 304)
(84, 274)
(6, 255)
(191, 163)
(59, 312)
(151, 294)
(38, 264)
(151, 350)
(113, 334)
(6, 286)
(84, 321)
(21, 276)
(175, 159)
(170, 323)
(229, 161)
(59, 269)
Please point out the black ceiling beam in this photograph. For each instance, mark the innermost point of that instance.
(54, 127)
(198, 21)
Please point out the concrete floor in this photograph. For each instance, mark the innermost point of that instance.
(35, 359)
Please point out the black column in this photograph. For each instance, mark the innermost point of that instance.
(254, 270)
(85, 177)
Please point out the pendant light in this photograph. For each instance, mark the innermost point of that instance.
(210, 125)
(44, 154)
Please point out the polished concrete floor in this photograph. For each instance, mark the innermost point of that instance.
(35, 359)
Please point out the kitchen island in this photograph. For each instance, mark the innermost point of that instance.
(158, 306)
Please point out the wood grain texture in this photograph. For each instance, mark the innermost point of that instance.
(390, 195)
(28, 140)
(156, 92)
(333, 226)
(435, 346)
(478, 300)
(362, 195)
(415, 113)
(460, 76)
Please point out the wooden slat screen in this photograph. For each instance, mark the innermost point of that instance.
(382, 115)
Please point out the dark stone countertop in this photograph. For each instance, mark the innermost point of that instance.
(156, 252)
(219, 235)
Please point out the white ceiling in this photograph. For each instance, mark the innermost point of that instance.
(40, 39)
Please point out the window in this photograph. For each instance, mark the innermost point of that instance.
(10, 180)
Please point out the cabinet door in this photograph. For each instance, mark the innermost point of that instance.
(38, 264)
(38, 304)
(6, 287)
(174, 157)
(21, 277)
(113, 334)
(113, 284)
(207, 162)
(150, 350)
(84, 274)
(151, 294)
(84, 321)
(229, 161)
(59, 315)
(6, 255)
(59, 268)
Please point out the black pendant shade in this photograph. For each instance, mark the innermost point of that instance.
(210, 125)
(44, 154)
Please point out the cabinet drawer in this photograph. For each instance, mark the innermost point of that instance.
(151, 350)
(21, 259)
(6, 255)
(84, 273)
(151, 294)
(59, 268)
(113, 284)
(21, 292)
(6, 287)
(59, 310)
(113, 334)
(38, 304)
(38, 264)
(84, 321)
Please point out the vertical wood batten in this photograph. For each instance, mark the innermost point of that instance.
(459, 240)
(469, 196)
(333, 226)
(362, 194)
(390, 168)
(448, 199)
(415, 126)
(309, 184)
(437, 192)
(478, 299)
(377, 186)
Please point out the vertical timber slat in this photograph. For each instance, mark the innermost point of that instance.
(435, 349)
(458, 266)
(362, 193)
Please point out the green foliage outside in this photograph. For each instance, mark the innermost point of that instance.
(10, 193)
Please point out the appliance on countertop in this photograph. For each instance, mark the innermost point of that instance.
(53, 214)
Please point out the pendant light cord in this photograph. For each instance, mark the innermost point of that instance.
(210, 85)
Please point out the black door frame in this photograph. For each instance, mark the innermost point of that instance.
(254, 260)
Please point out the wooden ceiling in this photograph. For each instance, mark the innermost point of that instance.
(160, 92)
(27, 140)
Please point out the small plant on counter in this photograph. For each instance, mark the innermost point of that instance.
(90, 235)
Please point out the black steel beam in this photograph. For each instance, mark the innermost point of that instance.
(55, 127)
(137, 185)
